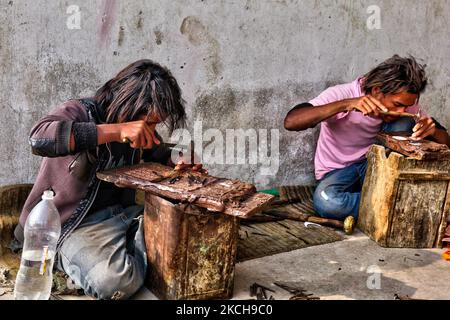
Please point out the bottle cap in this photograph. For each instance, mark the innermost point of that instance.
(48, 195)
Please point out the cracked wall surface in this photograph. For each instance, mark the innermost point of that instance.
(240, 64)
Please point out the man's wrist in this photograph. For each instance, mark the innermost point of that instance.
(345, 105)
(108, 133)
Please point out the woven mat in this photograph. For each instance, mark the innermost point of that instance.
(293, 194)
(260, 239)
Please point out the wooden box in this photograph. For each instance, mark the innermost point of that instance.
(191, 251)
(190, 227)
(404, 201)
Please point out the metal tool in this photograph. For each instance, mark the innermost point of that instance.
(173, 146)
(401, 114)
(311, 224)
(415, 116)
(260, 291)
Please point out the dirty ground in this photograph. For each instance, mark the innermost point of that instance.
(356, 268)
(341, 267)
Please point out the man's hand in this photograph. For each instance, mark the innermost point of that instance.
(181, 163)
(195, 167)
(425, 127)
(368, 105)
(139, 134)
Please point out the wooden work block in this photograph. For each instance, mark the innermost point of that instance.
(404, 202)
(419, 150)
(190, 227)
(231, 197)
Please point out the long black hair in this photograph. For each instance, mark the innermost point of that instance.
(396, 74)
(142, 88)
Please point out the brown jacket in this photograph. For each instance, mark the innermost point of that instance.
(72, 176)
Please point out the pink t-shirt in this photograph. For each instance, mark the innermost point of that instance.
(346, 137)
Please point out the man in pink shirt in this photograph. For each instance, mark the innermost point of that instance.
(350, 118)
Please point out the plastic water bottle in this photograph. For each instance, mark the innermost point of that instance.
(42, 230)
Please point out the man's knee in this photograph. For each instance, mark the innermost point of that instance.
(331, 204)
(105, 279)
(116, 289)
(104, 284)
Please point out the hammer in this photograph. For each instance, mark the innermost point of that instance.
(347, 225)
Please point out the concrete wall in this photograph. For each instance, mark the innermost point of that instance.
(241, 64)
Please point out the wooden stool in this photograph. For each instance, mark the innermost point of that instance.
(405, 201)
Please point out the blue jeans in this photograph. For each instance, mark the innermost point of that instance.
(338, 193)
(106, 254)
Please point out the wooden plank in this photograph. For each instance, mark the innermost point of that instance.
(419, 150)
(417, 214)
(250, 206)
(231, 197)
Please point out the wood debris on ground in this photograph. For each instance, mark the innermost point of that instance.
(298, 293)
(399, 297)
(6, 284)
(260, 292)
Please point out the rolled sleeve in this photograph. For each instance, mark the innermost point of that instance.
(63, 139)
(85, 135)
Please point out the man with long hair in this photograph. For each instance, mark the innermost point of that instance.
(350, 116)
(101, 246)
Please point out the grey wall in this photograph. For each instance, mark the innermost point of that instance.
(241, 64)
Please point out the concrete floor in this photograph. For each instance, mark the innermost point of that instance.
(356, 268)
(346, 269)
